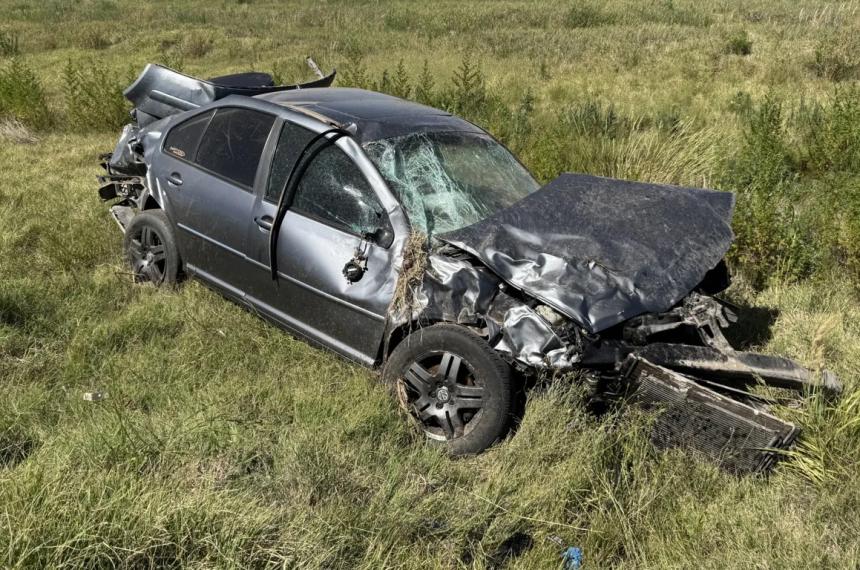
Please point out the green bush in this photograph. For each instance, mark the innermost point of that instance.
(425, 86)
(22, 96)
(8, 44)
(93, 96)
(92, 38)
(763, 173)
(829, 133)
(795, 175)
(582, 15)
(836, 58)
(739, 44)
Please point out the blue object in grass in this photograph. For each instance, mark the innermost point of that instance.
(572, 558)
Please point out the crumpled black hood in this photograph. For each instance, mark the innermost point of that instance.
(601, 250)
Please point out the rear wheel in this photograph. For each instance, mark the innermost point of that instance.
(150, 248)
(454, 385)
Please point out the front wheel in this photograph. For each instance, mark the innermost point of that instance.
(455, 386)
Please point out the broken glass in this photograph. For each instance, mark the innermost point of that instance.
(449, 180)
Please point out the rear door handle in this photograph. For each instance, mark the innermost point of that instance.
(175, 179)
(265, 222)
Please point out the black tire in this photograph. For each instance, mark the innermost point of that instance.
(150, 249)
(478, 394)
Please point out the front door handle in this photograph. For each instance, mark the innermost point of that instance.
(175, 179)
(265, 223)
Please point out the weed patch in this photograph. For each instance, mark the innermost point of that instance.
(94, 98)
(836, 58)
(585, 15)
(9, 44)
(22, 97)
(739, 43)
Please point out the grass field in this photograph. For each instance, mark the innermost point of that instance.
(225, 443)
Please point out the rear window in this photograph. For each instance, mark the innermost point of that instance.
(184, 138)
(233, 143)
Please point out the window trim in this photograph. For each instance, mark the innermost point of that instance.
(193, 163)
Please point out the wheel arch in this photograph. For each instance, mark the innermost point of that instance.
(396, 334)
(148, 202)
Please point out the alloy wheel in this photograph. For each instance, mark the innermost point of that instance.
(147, 255)
(441, 392)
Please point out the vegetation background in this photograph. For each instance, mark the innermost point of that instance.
(224, 442)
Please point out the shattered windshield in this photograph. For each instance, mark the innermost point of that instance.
(449, 180)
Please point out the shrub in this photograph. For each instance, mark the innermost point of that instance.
(771, 240)
(469, 93)
(400, 82)
(582, 15)
(93, 38)
(829, 133)
(592, 119)
(9, 44)
(668, 12)
(93, 96)
(355, 72)
(739, 44)
(22, 96)
(836, 59)
(196, 45)
(424, 87)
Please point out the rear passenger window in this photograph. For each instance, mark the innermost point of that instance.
(233, 143)
(183, 139)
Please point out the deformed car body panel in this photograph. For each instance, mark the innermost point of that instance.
(586, 273)
(160, 91)
(601, 250)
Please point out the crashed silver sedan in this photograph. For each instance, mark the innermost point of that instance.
(408, 239)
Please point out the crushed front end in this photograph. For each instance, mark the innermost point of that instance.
(618, 280)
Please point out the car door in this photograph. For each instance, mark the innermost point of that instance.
(208, 166)
(334, 206)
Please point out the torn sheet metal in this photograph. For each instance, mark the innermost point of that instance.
(528, 338)
(160, 91)
(602, 251)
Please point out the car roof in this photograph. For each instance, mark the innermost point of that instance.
(375, 115)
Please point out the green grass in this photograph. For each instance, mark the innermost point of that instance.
(223, 442)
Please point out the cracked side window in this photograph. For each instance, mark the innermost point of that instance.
(334, 190)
